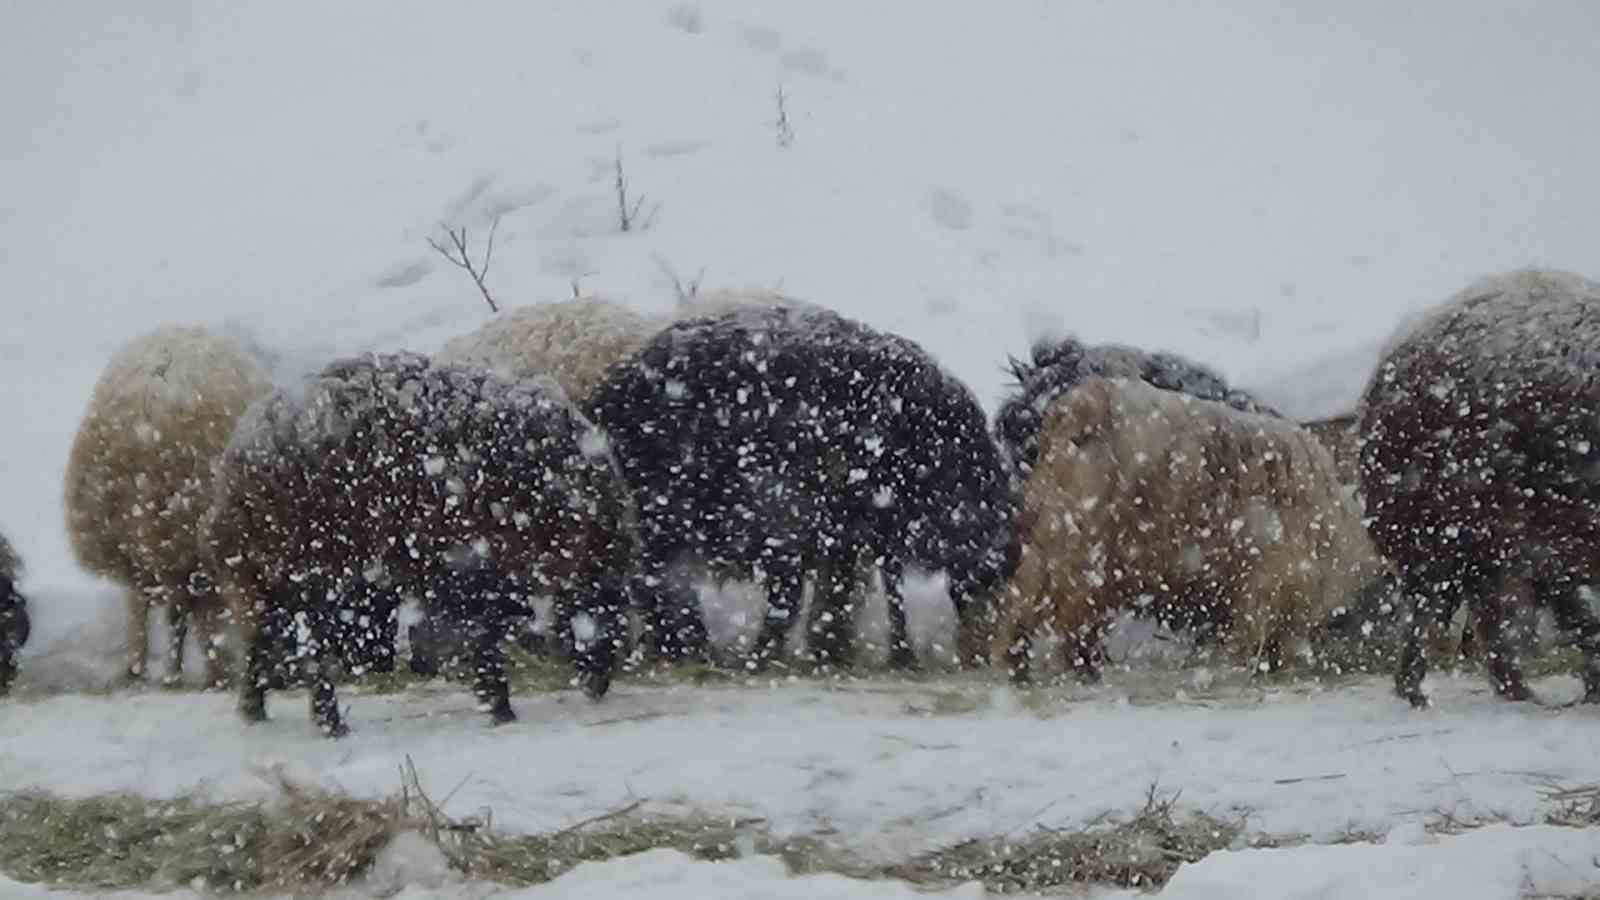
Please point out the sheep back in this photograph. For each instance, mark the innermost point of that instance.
(573, 341)
(139, 474)
(1056, 366)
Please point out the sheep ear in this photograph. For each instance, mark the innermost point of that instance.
(1020, 371)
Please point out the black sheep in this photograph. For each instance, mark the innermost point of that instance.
(1058, 365)
(795, 442)
(14, 625)
(1480, 466)
(389, 474)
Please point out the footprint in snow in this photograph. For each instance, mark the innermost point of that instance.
(949, 209)
(1033, 226)
(404, 276)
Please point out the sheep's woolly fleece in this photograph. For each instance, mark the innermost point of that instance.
(139, 475)
(1211, 515)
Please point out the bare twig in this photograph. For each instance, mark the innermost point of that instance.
(785, 131)
(1334, 777)
(685, 293)
(577, 289)
(628, 213)
(617, 813)
(638, 717)
(459, 256)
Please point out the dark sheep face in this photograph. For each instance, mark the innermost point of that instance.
(1059, 365)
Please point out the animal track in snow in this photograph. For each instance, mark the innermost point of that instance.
(404, 276)
(803, 59)
(1032, 226)
(949, 209)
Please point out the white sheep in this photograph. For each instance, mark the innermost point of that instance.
(139, 478)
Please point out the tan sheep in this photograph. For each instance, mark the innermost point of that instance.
(1204, 516)
(139, 478)
(573, 341)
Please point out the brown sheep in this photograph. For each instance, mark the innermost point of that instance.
(1205, 516)
(1480, 466)
(390, 474)
(139, 478)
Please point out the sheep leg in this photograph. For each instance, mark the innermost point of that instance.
(833, 609)
(14, 627)
(673, 623)
(901, 655)
(257, 676)
(324, 700)
(208, 626)
(596, 638)
(178, 630)
(785, 584)
(138, 633)
(1431, 605)
(1085, 647)
(1573, 615)
(1505, 671)
(1026, 600)
(491, 687)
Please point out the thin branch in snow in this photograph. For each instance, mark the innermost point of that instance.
(460, 256)
(628, 213)
(785, 131)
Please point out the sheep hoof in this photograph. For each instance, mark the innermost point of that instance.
(1417, 699)
(336, 730)
(902, 659)
(1514, 690)
(172, 683)
(502, 715)
(594, 684)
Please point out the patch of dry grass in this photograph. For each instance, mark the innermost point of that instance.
(1142, 851)
(307, 836)
(307, 840)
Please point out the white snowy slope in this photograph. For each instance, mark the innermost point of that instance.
(1266, 186)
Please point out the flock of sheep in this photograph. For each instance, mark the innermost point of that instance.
(610, 462)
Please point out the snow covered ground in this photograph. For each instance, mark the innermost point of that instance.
(1266, 186)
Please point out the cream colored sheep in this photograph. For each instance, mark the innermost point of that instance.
(1205, 516)
(139, 477)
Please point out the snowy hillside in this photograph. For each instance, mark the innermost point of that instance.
(1267, 187)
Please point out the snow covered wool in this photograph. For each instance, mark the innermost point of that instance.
(139, 476)
(1481, 465)
(390, 475)
(791, 441)
(572, 341)
(1201, 515)
(1058, 365)
(14, 626)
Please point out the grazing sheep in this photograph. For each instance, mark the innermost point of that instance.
(387, 475)
(139, 476)
(1479, 465)
(1203, 515)
(1058, 365)
(789, 441)
(14, 626)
